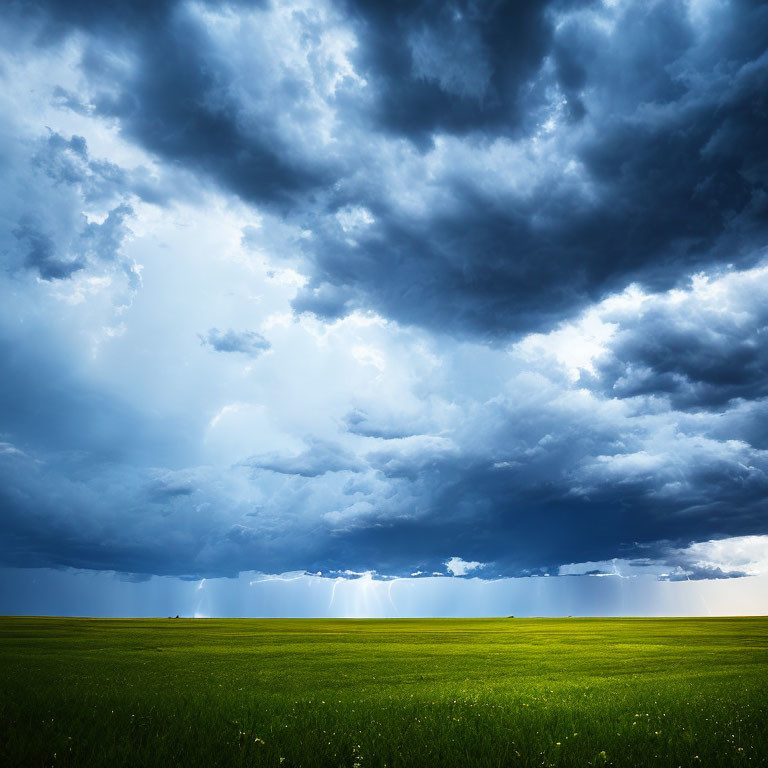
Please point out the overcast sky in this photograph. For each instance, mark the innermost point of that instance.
(424, 300)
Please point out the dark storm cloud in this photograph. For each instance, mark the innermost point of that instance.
(171, 102)
(694, 367)
(521, 500)
(742, 420)
(553, 485)
(451, 67)
(246, 342)
(170, 106)
(73, 516)
(109, 516)
(495, 522)
(673, 156)
(699, 353)
(662, 112)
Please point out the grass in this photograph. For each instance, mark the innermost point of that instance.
(474, 692)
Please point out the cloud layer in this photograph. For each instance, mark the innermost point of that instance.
(353, 286)
(514, 161)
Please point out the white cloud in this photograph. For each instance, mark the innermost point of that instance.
(738, 554)
(458, 567)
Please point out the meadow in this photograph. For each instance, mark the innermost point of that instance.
(364, 693)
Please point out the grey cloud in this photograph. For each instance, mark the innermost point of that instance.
(695, 573)
(319, 458)
(40, 252)
(246, 342)
(69, 162)
(175, 103)
(700, 353)
(69, 100)
(325, 300)
(461, 67)
(93, 242)
(510, 499)
(50, 184)
(104, 240)
(413, 457)
(359, 423)
(170, 485)
(662, 196)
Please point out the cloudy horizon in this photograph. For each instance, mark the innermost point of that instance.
(466, 297)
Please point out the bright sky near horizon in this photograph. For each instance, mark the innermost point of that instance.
(366, 308)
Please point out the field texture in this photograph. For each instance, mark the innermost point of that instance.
(516, 692)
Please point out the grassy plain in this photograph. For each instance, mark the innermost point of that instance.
(473, 692)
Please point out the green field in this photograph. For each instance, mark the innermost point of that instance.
(360, 693)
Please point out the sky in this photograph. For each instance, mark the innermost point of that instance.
(351, 308)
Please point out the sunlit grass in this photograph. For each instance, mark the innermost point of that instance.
(546, 692)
